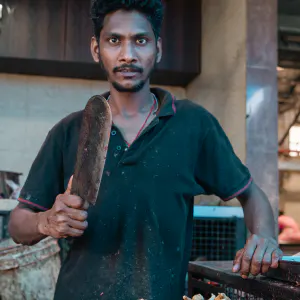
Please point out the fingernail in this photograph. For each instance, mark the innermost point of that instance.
(235, 268)
(244, 276)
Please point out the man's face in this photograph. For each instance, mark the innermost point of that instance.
(128, 50)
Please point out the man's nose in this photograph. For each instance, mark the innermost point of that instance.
(128, 53)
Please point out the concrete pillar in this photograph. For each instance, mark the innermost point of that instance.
(262, 121)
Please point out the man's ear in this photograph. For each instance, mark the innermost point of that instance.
(159, 50)
(95, 49)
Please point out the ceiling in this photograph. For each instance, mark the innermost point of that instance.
(289, 33)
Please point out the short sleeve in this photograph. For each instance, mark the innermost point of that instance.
(45, 179)
(219, 171)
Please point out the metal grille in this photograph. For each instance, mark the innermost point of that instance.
(232, 293)
(235, 294)
(218, 233)
(214, 239)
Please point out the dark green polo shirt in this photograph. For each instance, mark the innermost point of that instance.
(138, 241)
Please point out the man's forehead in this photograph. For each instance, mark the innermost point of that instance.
(124, 22)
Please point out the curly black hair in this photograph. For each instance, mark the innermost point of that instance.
(152, 9)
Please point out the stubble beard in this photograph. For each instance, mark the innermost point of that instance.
(133, 89)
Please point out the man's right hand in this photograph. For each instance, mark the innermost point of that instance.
(66, 218)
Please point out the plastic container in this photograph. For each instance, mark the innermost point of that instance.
(29, 272)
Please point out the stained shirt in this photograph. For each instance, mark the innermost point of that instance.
(138, 242)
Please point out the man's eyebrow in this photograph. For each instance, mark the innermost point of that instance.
(112, 34)
(118, 35)
(145, 33)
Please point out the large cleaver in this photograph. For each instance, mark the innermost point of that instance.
(92, 149)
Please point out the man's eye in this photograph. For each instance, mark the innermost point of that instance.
(114, 40)
(141, 41)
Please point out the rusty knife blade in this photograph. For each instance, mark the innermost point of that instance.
(92, 149)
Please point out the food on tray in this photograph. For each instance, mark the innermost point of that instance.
(196, 297)
(219, 297)
(213, 297)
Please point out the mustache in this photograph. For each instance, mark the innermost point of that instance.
(132, 68)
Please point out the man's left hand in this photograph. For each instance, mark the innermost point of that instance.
(258, 255)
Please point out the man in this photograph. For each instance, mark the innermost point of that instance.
(162, 153)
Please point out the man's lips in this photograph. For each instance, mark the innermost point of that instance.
(126, 72)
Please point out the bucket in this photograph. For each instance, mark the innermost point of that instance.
(29, 272)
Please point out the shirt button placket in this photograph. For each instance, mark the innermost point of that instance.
(119, 147)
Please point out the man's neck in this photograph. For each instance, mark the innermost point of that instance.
(130, 104)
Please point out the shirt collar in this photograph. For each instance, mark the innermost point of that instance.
(166, 102)
(165, 99)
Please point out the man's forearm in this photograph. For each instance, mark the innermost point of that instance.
(23, 227)
(258, 212)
